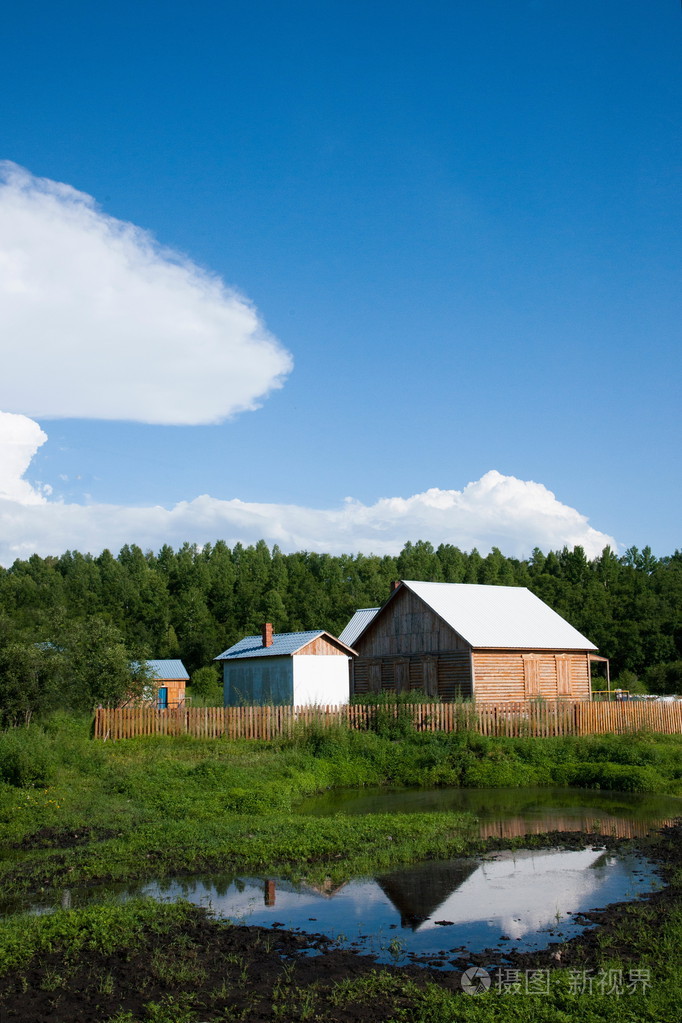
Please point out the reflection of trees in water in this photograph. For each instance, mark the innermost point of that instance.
(513, 812)
(418, 891)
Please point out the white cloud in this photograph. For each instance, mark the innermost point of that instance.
(20, 438)
(497, 510)
(98, 321)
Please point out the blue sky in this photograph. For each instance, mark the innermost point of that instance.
(461, 221)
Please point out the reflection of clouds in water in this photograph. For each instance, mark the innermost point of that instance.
(243, 899)
(523, 891)
(517, 892)
(522, 894)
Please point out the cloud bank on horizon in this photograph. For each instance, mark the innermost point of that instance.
(99, 321)
(514, 515)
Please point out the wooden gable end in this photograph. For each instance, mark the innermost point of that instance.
(406, 626)
(323, 645)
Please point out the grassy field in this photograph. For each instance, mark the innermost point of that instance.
(73, 812)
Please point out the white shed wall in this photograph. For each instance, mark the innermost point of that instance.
(321, 679)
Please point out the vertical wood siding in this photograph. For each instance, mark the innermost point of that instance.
(322, 645)
(446, 675)
(408, 627)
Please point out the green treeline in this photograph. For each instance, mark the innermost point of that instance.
(69, 626)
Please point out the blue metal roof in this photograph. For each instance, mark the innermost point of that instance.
(358, 624)
(171, 670)
(283, 644)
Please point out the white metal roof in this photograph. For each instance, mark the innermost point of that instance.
(358, 624)
(500, 617)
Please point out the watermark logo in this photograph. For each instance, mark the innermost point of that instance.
(509, 981)
(475, 981)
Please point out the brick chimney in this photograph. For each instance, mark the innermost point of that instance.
(395, 583)
(267, 634)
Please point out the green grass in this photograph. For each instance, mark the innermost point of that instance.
(165, 939)
(154, 806)
(161, 806)
(103, 929)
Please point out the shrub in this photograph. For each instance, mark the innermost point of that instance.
(325, 741)
(629, 681)
(27, 757)
(390, 698)
(665, 679)
(617, 777)
(207, 690)
(246, 801)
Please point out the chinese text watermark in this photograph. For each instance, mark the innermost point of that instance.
(507, 981)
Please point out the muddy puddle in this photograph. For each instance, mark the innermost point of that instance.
(434, 910)
(510, 813)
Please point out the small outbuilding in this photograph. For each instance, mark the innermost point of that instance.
(492, 643)
(167, 683)
(286, 669)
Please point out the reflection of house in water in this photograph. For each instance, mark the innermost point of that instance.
(418, 891)
(588, 823)
(328, 888)
(523, 891)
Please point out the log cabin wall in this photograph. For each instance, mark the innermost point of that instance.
(176, 690)
(501, 675)
(176, 693)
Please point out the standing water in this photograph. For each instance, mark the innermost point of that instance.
(441, 911)
(436, 909)
(509, 813)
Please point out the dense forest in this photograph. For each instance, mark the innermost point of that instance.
(71, 626)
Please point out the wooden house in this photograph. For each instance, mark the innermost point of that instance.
(167, 683)
(492, 643)
(286, 668)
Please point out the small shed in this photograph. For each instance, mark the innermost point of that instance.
(167, 683)
(492, 643)
(286, 668)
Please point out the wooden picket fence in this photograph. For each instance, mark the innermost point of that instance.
(540, 718)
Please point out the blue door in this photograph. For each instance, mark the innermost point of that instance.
(163, 698)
